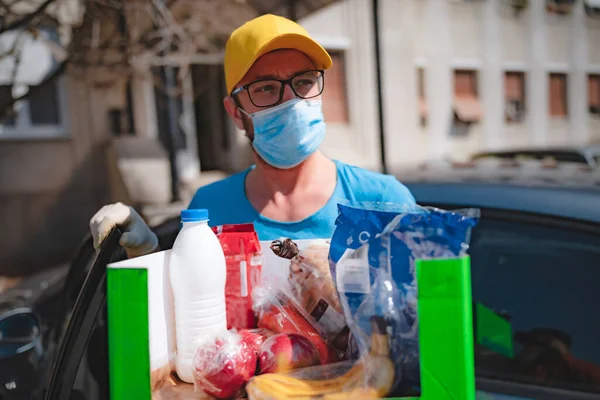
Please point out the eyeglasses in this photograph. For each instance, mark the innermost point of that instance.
(268, 92)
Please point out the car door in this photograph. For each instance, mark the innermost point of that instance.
(540, 273)
(81, 368)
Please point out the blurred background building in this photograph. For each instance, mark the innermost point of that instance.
(463, 76)
(457, 77)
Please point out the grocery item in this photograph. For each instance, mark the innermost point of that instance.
(280, 313)
(255, 337)
(311, 285)
(198, 273)
(372, 257)
(370, 377)
(287, 351)
(243, 258)
(223, 365)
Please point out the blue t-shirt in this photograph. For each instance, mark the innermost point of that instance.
(227, 203)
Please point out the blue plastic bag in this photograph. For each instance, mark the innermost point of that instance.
(372, 260)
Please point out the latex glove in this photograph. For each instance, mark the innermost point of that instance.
(137, 238)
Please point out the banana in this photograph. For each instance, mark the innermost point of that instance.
(355, 394)
(295, 387)
(371, 377)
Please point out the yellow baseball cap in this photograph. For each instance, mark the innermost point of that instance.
(261, 35)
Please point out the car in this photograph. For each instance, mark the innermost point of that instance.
(534, 258)
(29, 314)
(588, 155)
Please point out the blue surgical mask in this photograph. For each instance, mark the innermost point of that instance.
(287, 134)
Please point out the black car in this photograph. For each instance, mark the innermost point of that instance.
(535, 261)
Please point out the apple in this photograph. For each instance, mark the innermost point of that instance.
(223, 366)
(289, 319)
(255, 337)
(287, 351)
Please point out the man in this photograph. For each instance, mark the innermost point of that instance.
(274, 73)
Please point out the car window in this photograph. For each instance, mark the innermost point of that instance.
(544, 281)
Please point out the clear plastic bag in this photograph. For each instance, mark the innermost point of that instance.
(223, 365)
(255, 337)
(311, 285)
(278, 311)
(371, 377)
(372, 259)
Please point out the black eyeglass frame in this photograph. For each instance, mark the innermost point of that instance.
(283, 82)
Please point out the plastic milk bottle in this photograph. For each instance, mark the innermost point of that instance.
(198, 274)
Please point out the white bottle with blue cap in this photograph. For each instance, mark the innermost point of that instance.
(198, 273)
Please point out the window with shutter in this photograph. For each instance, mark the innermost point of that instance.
(467, 108)
(558, 95)
(514, 95)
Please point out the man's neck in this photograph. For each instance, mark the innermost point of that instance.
(288, 181)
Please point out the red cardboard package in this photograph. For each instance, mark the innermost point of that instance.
(243, 256)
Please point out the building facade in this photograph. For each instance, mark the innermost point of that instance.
(462, 76)
(458, 77)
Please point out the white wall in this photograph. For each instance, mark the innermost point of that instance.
(399, 37)
(515, 29)
(464, 19)
(593, 31)
(346, 25)
(557, 39)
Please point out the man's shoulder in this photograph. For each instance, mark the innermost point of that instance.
(369, 184)
(234, 180)
(363, 175)
(231, 186)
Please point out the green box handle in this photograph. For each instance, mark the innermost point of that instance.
(445, 329)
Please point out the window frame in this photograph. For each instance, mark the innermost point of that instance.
(560, 7)
(460, 126)
(591, 76)
(511, 388)
(522, 76)
(565, 95)
(24, 129)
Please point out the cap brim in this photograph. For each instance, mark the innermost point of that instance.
(306, 45)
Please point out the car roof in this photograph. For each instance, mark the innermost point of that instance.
(564, 190)
(562, 154)
(580, 205)
(594, 148)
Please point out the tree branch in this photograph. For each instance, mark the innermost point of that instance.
(26, 20)
(33, 89)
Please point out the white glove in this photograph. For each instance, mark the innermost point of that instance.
(137, 238)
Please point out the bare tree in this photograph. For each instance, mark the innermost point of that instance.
(119, 35)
